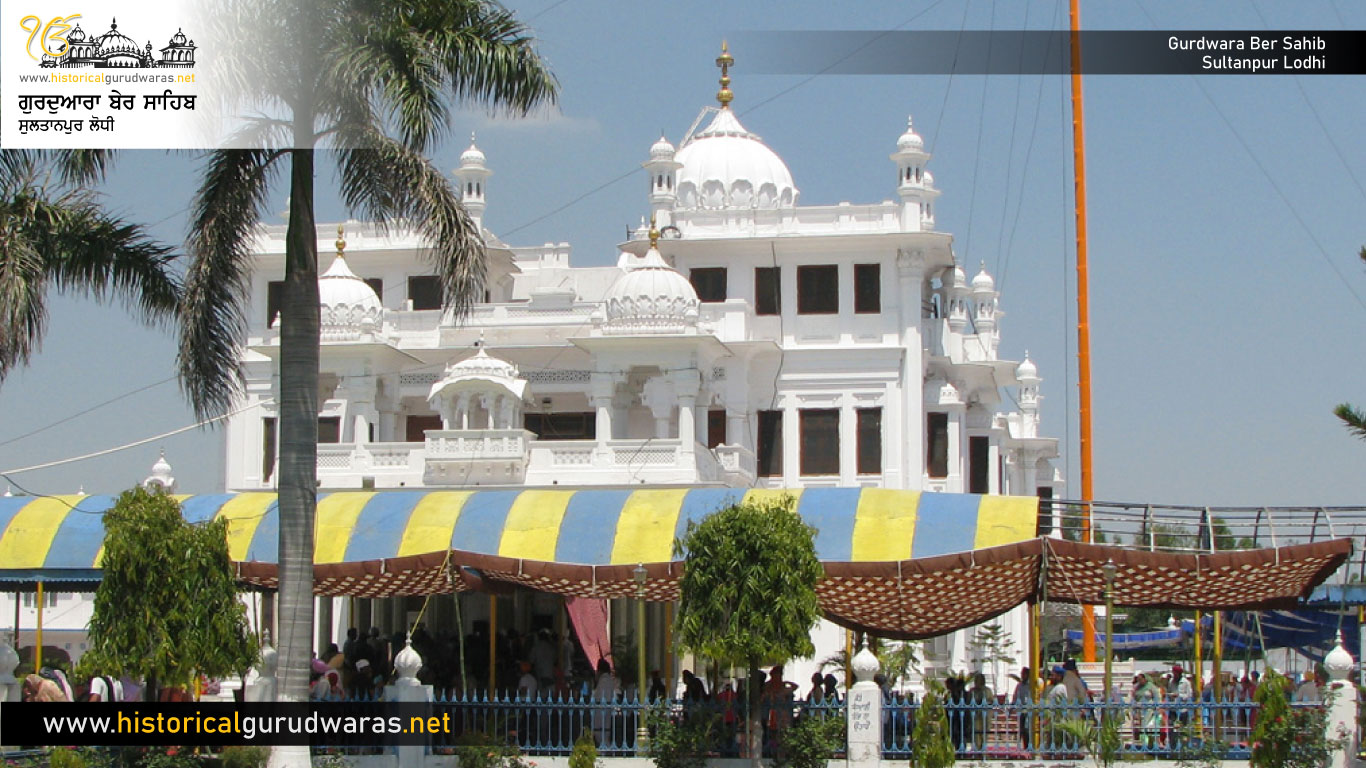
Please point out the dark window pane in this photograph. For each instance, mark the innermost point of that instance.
(818, 290)
(770, 443)
(868, 288)
(716, 427)
(979, 466)
(574, 425)
(937, 450)
(709, 282)
(869, 441)
(267, 448)
(377, 285)
(275, 300)
(415, 427)
(425, 292)
(1045, 526)
(329, 429)
(820, 441)
(768, 295)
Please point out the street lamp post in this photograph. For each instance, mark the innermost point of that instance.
(642, 732)
(1108, 571)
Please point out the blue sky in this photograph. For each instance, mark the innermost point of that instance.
(1224, 321)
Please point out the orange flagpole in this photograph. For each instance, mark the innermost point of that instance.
(1088, 613)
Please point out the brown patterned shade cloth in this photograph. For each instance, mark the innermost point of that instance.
(905, 599)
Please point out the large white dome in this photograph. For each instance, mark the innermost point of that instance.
(726, 166)
(652, 298)
(349, 305)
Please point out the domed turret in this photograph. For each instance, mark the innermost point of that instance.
(161, 477)
(983, 282)
(350, 307)
(914, 184)
(472, 175)
(726, 166)
(653, 298)
(662, 150)
(76, 35)
(662, 169)
(910, 141)
(1026, 371)
(178, 38)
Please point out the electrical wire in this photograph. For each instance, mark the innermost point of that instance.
(95, 407)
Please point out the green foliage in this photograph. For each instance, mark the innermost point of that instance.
(244, 757)
(1285, 736)
(682, 744)
(992, 644)
(169, 757)
(1200, 753)
(895, 659)
(931, 743)
(61, 757)
(167, 608)
(480, 750)
(585, 753)
(810, 742)
(748, 591)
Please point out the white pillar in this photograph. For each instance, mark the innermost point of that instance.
(956, 442)
(603, 387)
(792, 446)
(462, 411)
(848, 435)
(1342, 705)
(864, 721)
(406, 688)
(910, 268)
(10, 688)
(262, 688)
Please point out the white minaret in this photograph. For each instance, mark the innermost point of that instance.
(914, 184)
(984, 297)
(472, 176)
(161, 476)
(1028, 376)
(662, 170)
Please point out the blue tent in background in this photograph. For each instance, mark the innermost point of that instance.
(1312, 632)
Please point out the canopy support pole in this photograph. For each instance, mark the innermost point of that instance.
(17, 596)
(1218, 674)
(1199, 671)
(38, 643)
(493, 644)
(669, 648)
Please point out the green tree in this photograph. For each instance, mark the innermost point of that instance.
(167, 608)
(55, 235)
(991, 644)
(931, 743)
(748, 591)
(372, 85)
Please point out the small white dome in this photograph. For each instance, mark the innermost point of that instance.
(1026, 370)
(726, 166)
(349, 305)
(652, 298)
(958, 276)
(161, 475)
(476, 372)
(983, 282)
(472, 157)
(662, 150)
(910, 141)
(928, 178)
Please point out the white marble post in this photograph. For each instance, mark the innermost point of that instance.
(406, 688)
(1342, 705)
(10, 688)
(865, 713)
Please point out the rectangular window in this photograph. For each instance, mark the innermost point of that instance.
(867, 288)
(768, 293)
(937, 448)
(716, 427)
(275, 299)
(267, 448)
(770, 443)
(709, 282)
(572, 425)
(869, 441)
(425, 291)
(820, 428)
(415, 427)
(979, 464)
(377, 285)
(329, 429)
(1045, 526)
(818, 290)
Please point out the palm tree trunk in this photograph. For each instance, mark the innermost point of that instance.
(299, 358)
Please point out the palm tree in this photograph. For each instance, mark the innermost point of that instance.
(335, 74)
(1353, 419)
(54, 234)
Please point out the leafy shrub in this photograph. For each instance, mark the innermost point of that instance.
(1287, 737)
(245, 757)
(682, 744)
(585, 754)
(810, 742)
(61, 757)
(932, 744)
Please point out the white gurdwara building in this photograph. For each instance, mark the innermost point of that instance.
(742, 340)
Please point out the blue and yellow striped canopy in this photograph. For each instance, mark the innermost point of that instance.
(64, 534)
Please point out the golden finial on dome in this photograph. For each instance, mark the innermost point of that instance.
(654, 233)
(341, 240)
(725, 61)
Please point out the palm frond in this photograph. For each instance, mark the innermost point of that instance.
(82, 166)
(1354, 420)
(23, 290)
(227, 207)
(388, 180)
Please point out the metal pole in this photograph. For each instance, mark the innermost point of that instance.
(38, 643)
(642, 732)
(1218, 673)
(669, 648)
(1088, 614)
(1199, 671)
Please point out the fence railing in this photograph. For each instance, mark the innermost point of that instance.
(982, 731)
